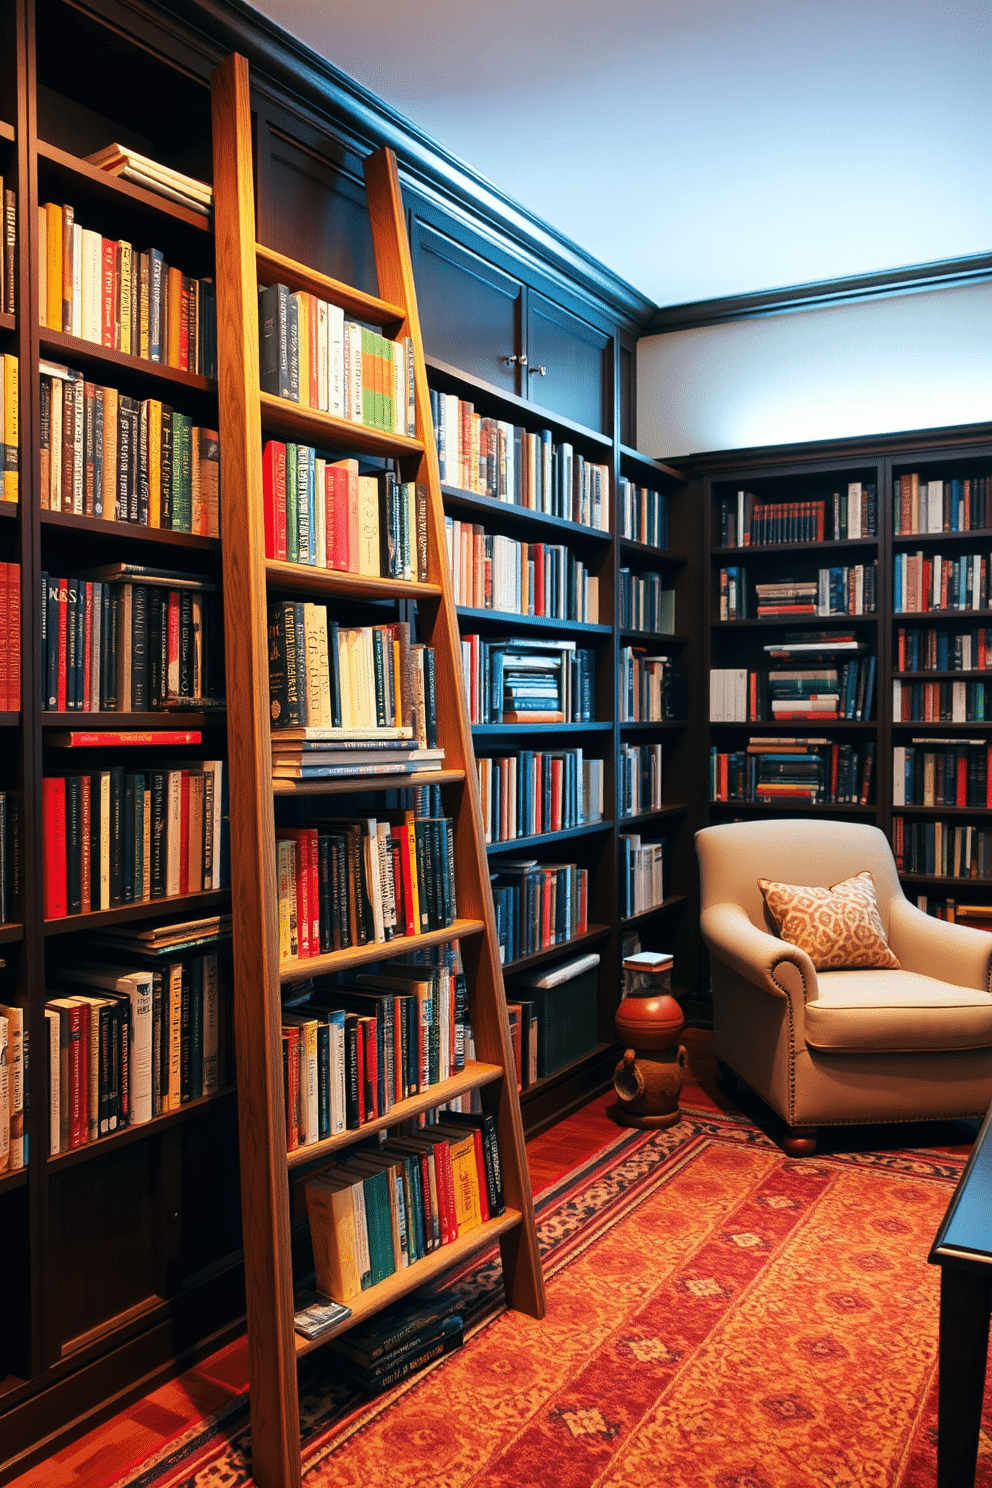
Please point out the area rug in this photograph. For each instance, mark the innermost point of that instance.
(718, 1314)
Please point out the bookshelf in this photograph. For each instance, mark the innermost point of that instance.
(810, 472)
(247, 415)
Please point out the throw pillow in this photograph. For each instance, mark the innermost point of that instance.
(839, 926)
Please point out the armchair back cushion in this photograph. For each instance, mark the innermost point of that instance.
(836, 927)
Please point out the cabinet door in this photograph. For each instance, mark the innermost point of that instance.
(469, 309)
(576, 362)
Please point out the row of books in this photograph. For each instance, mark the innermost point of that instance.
(653, 689)
(492, 572)
(645, 603)
(8, 258)
(849, 590)
(326, 514)
(643, 514)
(327, 681)
(128, 1044)
(110, 645)
(386, 1207)
(528, 681)
(394, 1344)
(530, 792)
(642, 874)
(538, 905)
(104, 454)
(940, 702)
(941, 849)
(750, 522)
(363, 881)
(115, 837)
(978, 916)
(10, 449)
(104, 291)
(931, 649)
(785, 771)
(942, 772)
(13, 1088)
(352, 1051)
(956, 505)
(937, 583)
(816, 693)
(10, 637)
(10, 856)
(310, 354)
(640, 778)
(491, 457)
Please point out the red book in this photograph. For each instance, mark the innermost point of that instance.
(961, 778)
(405, 906)
(112, 738)
(85, 830)
(109, 291)
(538, 555)
(312, 348)
(360, 1068)
(79, 1073)
(557, 771)
(274, 499)
(368, 1035)
(336, 501)
(981, 649)
(87, 642)
(548, 880)
(14, 656)
(184, 326)
(302, 840)
(184, 835)
(172, 688)
(291, 1084)
(6, 636)
(53, 827)
(60, 688)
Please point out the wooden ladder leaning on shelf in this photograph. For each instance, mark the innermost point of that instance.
(273, 1346)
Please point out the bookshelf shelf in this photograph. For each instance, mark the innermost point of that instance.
(645, 725)
(964, 811)
(655, 813)
(654, 638)
(164, 720)
(984, 884)
(113, 1141)
(191, 905)
(546, 1082)
(10, 1181)
(935, 726)
(924, 617)
(792, 549)
(59, 346)
(802, 725)
(11, 933)
(548, 839)
(509, 514)
(566, 949)
(671, 901)
(294, 421)
(649, 465)
(640, 553)
(276, 268)
(368, 1303)
(348, 784)
(974, 675)
(489, 732)
(127, 532)
(939, 539)
(301, 578)
(506, 621)
(782, 808)
(796, 622)
(8, 323)
(472, 1077)
(9, 720)
(57, 165)
(297, 970)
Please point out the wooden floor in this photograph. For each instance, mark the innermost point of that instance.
(121, 1444)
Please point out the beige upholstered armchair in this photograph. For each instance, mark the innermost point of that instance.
(841, 1047)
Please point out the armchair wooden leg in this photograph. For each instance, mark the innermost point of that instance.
(800, 1141)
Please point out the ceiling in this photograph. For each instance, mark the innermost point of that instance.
(699, 150)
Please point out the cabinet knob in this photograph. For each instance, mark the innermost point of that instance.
(539, 370)
(511, 361)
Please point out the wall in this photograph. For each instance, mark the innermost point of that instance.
(913, 361)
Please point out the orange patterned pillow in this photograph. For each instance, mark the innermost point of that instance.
(839, 926)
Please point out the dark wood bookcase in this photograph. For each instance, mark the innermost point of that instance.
(806, 472)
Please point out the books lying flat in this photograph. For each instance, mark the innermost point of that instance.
(89, 738)
(337, 736)
(332, 764)
(118, 160)
(316, 1315)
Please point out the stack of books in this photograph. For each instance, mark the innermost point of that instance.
(351, 1052)
(326, 514)
(103, 291)
(186, 191)
(311, 355)
(402, 1339)
(787, 597)
(527, 681)
(784, 770)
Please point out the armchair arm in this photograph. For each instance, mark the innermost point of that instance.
(937, 948)
(754, 954)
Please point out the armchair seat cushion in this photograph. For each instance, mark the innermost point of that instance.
(895, 1012)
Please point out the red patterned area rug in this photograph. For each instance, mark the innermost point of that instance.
(718, 1314)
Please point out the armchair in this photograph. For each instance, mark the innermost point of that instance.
(841, 1047)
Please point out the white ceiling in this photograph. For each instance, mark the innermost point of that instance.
(699, 150)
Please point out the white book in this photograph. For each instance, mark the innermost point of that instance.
(77, 280)
(173, 830)
(854, 509)
(935, 506)
(337, 1086)
(53, 1020)
(454, 454)
(322, 389)
(353, 353)
(899, 775)
(91, 285)
(399, 387)
(335, 361)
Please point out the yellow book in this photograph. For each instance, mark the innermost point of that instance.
(110, 453)
(196, 519)
(154, 462)
(175, 283)
(53, 315)
(332, 1208)
(465, 1172)
(368, 525)
(43, 266)
(11, 429)
(174, 1046)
